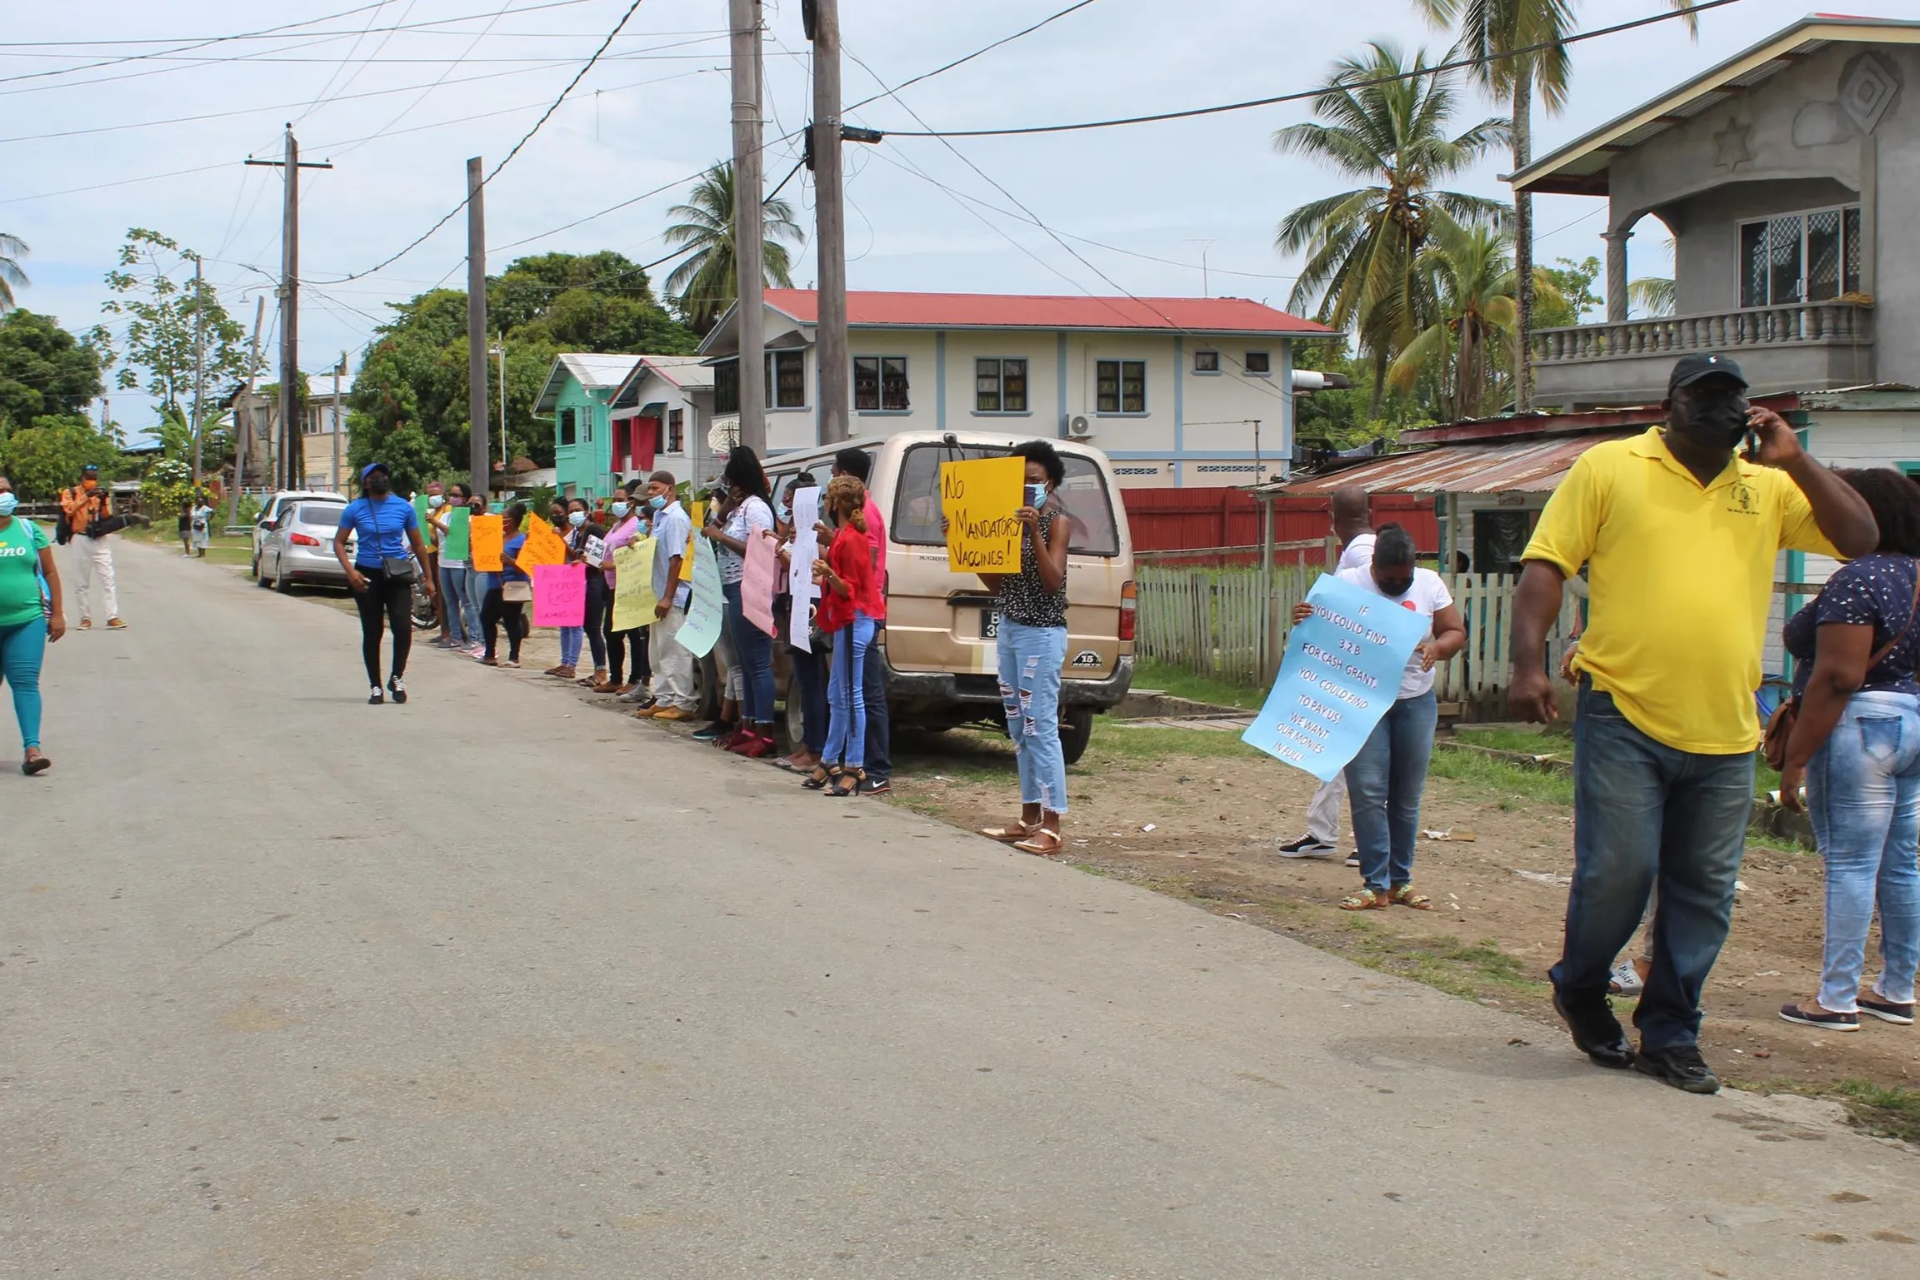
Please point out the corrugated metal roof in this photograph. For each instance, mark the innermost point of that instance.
(872, 309)
(1512, 466)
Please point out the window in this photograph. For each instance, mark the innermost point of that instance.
(1000, 386)
(916, 501)
(1259, 364)
(1800, 257)
(880, 384)
(676, 431)
(786, 379)
(1206, 362)
(1120, 386)
(568, 426)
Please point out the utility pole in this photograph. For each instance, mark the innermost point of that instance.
(243, 418)
(339, 399)
(477, 331)
(290, 471)
(199, 359)
(749, 236)
(830, 222)
(500, 351)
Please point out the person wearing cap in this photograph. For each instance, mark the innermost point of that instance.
(1680, 535)
(387, 532)
(86, 504)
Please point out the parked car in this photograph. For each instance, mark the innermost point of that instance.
(940, 643)
(270, 511)
(297, 546)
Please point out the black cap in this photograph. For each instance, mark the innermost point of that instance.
(89, 467)
(1688, 370)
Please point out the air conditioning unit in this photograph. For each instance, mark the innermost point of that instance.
(1079, 427)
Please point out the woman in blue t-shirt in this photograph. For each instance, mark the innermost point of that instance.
(386, 561)
(509, 593)
(1856, 742)
(30, 619)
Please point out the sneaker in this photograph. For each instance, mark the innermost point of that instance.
(116, 624)
(726, 741)
(1878, 1006)
(1818, 1016)
(712, 732)
(872, 786)
(86, 624)
(376, 697)
(398, 688)
(753, 745)
(1681, 1066)
(1625, 980)
(1307, 847)
(670, 713)
(1596, 1032)
(1353, 859)
(635, 693)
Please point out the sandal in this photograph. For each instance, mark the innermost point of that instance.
(820, 776)
(1042, 843)
(1012, 833)
(846, 782)
(1365, 900)
(35, 764)
(1406, 897)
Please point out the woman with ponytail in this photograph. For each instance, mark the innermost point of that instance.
(850, 607)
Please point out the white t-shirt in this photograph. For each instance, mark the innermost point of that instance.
(1426, 597)
(1358, 554)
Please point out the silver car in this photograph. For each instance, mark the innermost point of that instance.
(298, 545)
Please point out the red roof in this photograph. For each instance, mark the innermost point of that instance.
(1027, 311)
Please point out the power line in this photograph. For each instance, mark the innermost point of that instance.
(928, 75)
(1346, 84)
(190, 47)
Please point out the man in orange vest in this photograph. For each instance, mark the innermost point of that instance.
(87, 504)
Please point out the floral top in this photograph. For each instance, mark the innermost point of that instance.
(1023, 597)
(1875, 591)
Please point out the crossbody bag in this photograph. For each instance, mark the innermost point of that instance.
(397, 568)
(1773, 746)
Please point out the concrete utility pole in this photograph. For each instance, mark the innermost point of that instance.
(291, 471)
(339, 420)
(749, 235)
(243, 418)
(199, 360)
(500, 353)
(830, 224)
(477, 331)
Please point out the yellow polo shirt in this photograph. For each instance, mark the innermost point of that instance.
(1681, 582)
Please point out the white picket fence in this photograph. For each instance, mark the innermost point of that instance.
(1214, 622)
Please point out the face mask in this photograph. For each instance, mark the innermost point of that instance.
(620, 509)
(1395, 587)
(1036, 496)
(7, 503)
(657, 502)
(379, 485)
(782, 513)
(435, 500)
(1716, 419)
(478, 508)
(576, 518)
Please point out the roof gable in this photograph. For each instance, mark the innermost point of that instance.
(885, 310)
(592, 371)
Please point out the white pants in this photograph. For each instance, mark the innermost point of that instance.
(92, 558)
(1323, 811)
(672, 662)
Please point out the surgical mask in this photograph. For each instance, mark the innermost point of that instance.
(782, 514)
(1036, 496)
(7, 503)
(620, 509)
(576, 518)
(657, 502)
(435, 500)
(1716, 419)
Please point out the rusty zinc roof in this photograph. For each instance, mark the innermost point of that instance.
(1507, 466)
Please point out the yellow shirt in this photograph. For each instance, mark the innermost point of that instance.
(1681, 582)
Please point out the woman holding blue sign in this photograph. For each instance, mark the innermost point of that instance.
(1387, 778)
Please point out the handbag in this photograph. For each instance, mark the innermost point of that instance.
(516, 592)
(396, 568)
(1773, 745)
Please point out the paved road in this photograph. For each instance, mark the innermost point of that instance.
(496, 985)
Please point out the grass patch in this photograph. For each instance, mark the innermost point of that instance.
(1197, 688)
(1519, 787)
(1114, 743)
(1444, 963)
(1884, 1111)
(1534, 742)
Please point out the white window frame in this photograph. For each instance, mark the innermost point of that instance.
(1119, 388)
(1740, 253)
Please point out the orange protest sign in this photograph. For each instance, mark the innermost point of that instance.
(698, 511)
(544, 546)
(486, 536)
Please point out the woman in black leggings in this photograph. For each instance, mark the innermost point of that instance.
(387, 559)
(496, 608)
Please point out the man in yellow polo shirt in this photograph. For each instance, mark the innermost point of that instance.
(1680, 537)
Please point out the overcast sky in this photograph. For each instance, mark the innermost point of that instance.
(399, 112)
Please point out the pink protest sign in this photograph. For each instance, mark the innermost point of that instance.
(559, 595)
(756, 582)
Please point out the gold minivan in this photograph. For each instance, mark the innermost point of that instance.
(939, 650)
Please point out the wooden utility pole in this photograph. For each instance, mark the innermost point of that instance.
(749, 236)
(290, 471)
(477, 330)
(199, 361)
(830, 224)
(339, 418)
(243, 418)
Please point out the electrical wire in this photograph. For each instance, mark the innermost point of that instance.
(428, 91)
(342, 64)
(928, 75)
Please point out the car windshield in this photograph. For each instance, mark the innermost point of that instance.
(916, 506)
(324, 514)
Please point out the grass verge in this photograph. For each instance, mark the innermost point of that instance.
(1882, 1110)
(1196, 688)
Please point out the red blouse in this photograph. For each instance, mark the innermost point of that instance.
(851, 558)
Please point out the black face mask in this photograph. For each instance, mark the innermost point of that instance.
(1395, 586)
(378, 485)
(1715, 419)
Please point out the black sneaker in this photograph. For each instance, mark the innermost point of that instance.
(398, 688)
(1681, 1066)
(713, 732)
(872, 786)
(1353, 859)
(1307, 846)
(376, 697)
(1596, 1032)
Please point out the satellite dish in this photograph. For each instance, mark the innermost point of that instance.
(724, 434)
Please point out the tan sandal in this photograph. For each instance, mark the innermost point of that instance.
(1042, 843)
(1365, 900)
(1012, 833)
(1406, 897)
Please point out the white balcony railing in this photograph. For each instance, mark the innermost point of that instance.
(1797, 324)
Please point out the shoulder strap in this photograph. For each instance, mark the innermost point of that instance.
(1913, 609)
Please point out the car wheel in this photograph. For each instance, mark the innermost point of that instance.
(259, 578)
(795, 716)
(284, 582)
(706, 687)
(1076, 730)
(256, 566)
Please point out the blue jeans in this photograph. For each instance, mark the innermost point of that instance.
(463, 609)
(847, 730)
(879, 728)
(1645, 812)
(1863, 794)
(23, 647)
(1030, 661)
(1385, 782)
(810, 686)
(753, 650)
(571, 639)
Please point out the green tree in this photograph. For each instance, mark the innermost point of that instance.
(706, 282)
(12, 249)
(1491, 30)
(1573, 283)
(43, 369)
(1362, 245)
(46, 457)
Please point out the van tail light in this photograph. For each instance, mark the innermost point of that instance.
(1129, 602)
(304, 540)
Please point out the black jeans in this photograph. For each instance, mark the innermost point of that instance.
(496, 610)
(619, 643)
(873, 686)
(599, 613)
(385, 602)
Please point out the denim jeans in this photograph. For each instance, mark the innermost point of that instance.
(463, 610)
(1863, 794)
(810, 686)
(1645, 812)
(847, 727)
(879, 728)
(1030, 661)
(571, 640)
(753, 650)
(1385, 782)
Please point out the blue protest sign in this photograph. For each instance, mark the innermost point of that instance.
(1340, 674)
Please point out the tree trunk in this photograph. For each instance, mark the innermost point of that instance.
(1523, 239)
(1379, 384)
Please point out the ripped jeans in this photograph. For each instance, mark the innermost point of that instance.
(1030, 662)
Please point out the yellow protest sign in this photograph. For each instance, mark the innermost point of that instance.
(544, 546)
(633, 598)
(978, 499)
(486, 536)
(698, 511)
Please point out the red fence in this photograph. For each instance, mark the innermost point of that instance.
(1183, 519)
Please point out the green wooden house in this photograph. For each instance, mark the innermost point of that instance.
(576, 395)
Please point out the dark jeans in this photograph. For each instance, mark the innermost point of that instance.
(599, 609)
(1644, 812)
(497, 610)
(619, 644)
(1384, 783)
(753, 649)
(873, 687)
(810, 680)
(385, 602)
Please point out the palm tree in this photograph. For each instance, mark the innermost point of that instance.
(1490, 29)
(705, 283)
(12, 248)
(1654, 295)
(1362, 245)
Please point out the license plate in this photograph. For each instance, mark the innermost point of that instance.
(989, 625)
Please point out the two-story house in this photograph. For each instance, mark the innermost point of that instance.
(1177, 391)
(324, 448)
(661, 414)
(578, 396)
(1784, 176)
